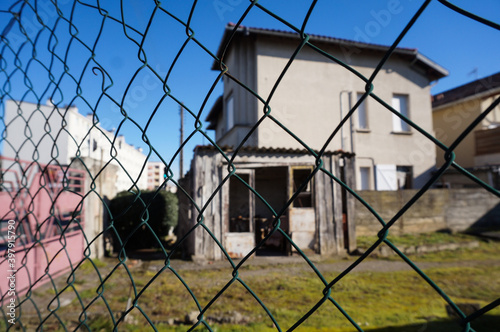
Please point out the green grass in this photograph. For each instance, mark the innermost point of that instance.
(419, 239)
(373, 299)
(89, 265)
(378, 301)
(487, 249)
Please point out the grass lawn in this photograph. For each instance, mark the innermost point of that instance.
(418, 239)
(376, 300)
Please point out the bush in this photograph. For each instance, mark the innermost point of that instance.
(129, 210)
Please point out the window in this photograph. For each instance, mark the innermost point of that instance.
(405, 177)
(400, 104)
(362, 115)
(304, 199)
(229, 113)
(364, 175)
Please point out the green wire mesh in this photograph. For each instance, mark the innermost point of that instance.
(40, 39)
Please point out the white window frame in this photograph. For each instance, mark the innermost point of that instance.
(400, 103)
(362, 123)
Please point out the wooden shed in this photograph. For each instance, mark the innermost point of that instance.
(240, 212)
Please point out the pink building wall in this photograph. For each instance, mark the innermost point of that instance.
(45, 203)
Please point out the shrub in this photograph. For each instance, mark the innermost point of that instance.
(129, 210)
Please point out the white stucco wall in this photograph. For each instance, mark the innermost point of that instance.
(308, 99)
(70, 136)
(31, 131)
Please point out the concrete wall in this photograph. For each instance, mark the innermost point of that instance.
(494, 116)
(437, 209)
(97, 202)
(129, 159)
(130, 166)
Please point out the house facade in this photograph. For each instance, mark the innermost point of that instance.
(155, 174)
(479, 152)
(316, 92)
(53, 136)
(302, 194)
(44, 126)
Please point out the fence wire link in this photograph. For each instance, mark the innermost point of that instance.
(39, 38)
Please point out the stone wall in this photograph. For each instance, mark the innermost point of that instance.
(438, 209)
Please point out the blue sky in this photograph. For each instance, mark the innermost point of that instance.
(466, 48)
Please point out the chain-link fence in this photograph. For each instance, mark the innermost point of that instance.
(131, 66)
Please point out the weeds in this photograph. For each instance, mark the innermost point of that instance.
(378, 301)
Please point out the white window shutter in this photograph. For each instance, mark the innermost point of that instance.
(386, 177)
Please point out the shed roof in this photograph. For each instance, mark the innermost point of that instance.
(267, 150)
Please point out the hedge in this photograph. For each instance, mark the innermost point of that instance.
(127, 211)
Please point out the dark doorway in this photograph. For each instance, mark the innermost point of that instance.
(405, 177)
(239, 204)
(271, 184)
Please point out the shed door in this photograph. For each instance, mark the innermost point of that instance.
(302, 213)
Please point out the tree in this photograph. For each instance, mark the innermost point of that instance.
(142, 221)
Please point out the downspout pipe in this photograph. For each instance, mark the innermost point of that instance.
(342, 145)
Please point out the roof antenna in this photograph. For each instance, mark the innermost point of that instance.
(474, 72)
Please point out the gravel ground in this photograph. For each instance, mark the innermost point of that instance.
(292, 263)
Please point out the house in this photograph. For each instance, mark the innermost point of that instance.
(72, 135)
(479, 152)
(41, 203)
(52, 137)
(374, 149)
(155, 174)
(316, 93)
(156, 177)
